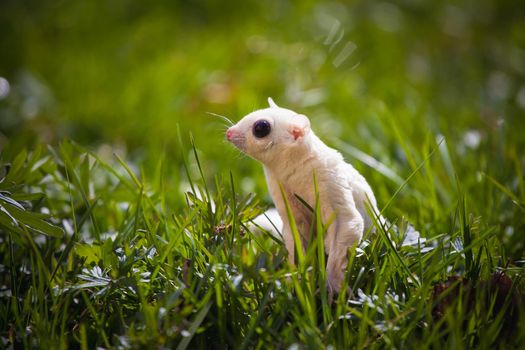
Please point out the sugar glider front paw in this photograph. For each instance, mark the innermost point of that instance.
(335, 274)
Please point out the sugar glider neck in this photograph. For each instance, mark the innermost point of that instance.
(297, 156)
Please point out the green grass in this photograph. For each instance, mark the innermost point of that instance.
(135, 234)
(127, 271)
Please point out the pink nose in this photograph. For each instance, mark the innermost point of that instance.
(229, 134)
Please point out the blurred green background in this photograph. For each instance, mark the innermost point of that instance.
(123, 76)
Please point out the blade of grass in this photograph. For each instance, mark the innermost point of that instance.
(98, 322)
(293, 227)
(321, 261)
(201, 315)
(506, 191)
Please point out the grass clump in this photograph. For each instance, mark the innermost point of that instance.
(93, 256)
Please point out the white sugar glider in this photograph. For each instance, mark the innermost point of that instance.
(291, 154)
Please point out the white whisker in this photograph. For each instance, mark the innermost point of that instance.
(224, 118)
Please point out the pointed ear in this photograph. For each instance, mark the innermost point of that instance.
(271, 103)
(299, 127)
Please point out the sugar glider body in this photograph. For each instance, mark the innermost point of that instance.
(291, 154)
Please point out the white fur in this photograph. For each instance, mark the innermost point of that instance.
(291, 154)
(269, 221)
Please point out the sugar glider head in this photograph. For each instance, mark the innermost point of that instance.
(266, 133)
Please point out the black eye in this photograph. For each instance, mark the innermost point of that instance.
(261, 128)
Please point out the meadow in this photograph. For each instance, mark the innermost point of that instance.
(125, 215)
